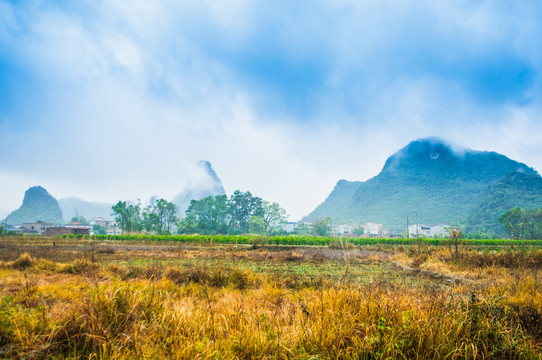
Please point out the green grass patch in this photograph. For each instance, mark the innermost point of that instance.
(259, 240)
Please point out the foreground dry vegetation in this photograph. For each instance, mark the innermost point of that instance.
(76, 299)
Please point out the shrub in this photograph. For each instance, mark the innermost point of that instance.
(80, 266)
(241, 280)
(23, 262)
(174, 275)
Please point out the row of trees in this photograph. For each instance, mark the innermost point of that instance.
(522, 223)
(159, 216)
(4, 232)
(241, 213)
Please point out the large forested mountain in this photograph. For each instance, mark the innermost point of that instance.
(428, 179)
(38, 204)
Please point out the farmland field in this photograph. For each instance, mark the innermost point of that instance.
(67, 298)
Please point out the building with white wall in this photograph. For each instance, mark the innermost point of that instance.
(420, 230)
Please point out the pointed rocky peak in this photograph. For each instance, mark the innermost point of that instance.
(205, 179)
(203, 182)
(36, 194)
(208, 168)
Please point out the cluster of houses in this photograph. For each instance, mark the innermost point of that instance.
(373, 230)
(366, 230)
(49, 229)
(369, 229)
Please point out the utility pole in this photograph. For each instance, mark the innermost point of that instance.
(417, 231)
(407, 230)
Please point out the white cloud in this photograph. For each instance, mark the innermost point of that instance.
(135, 93)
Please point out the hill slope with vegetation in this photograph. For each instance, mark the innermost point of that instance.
(513, 190)
(428, 179)
(38, 204)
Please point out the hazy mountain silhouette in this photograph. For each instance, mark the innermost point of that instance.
(203, 183)
(73, 206)
(38, 204)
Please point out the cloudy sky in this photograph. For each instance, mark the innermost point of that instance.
(110, 99)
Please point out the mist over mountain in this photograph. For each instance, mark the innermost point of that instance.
(73, 206)
(428, 180)
(38, 204)
(203, 183)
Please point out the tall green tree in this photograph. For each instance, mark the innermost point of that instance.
(159, 216)
(241, 213)
(522, 224)
(149, 220)
(322, 227)
(273, 215)
(303, 229)
(127, 215)
(210, 215)
(242, 207)
(512, 220)
(256, 225)
(166, 213)
(148, 217)
(360, 230)
(533, 224)
(98, 229)
(187, 225)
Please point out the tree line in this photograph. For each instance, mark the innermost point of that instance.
(241, 213)
(522, 223)
(158, 217)
(4, 232)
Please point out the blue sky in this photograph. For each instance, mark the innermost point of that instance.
(110, 100)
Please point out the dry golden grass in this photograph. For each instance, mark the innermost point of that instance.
(240, 308)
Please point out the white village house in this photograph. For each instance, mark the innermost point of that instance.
(420, 230)
(370, 229)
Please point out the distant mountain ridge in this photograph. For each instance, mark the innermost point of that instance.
(428, 179)
(38, 204)
(202, 184)
(73, 206)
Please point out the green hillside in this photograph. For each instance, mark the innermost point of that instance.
(428, 180)
(515, 189)
(38, 204)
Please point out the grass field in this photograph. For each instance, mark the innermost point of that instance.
(147, 299)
